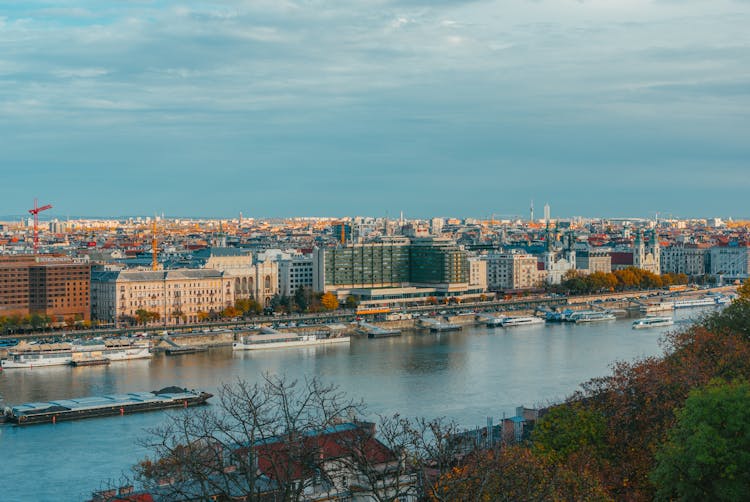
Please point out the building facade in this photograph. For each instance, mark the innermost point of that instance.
(682, 258)
(732, 261)
(383, 264)
(295, 273)
(514, 270)
(254, 279)
(647, 257)
(478, 273)
(592, 261)
(176, 296)
(437, 261)
(53, 286)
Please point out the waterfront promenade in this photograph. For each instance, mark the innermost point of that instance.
(466, 376)
(531, 302)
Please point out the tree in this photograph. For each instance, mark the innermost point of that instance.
(144, 316)
(329, 301)
(231, 312)
(744, 290)
(707, 454)
(248, 306)
(515, 474)
(302, 298)
(351, 302)
(571, 428)
(276, 440)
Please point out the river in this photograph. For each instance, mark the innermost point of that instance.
(466, 376)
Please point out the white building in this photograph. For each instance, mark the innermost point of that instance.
(295, 273)
(733, 261)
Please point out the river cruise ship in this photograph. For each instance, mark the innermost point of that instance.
(652, 322)
(115, 349)
(590, 316)
(696, 302)
(282, 340)
(29, 355)
(657, 307)
(508, 322)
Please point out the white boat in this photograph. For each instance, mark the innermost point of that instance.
(115, 349)
(657, 307)
(282, 340)
(652, 322)
(493, 322)
(35, 355)
(696, 302)
(590, 316)
(507, 322)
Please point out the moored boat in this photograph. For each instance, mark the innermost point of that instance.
(652, 322)
(279, 340)
(591, 316)
(186, 349)
(99, 406)
(657, 307)
(85, 353)
(27, 355)
(695, 302)
(507, 322)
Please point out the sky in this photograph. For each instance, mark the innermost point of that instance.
(372, 107)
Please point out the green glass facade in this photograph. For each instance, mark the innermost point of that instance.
(391, 264)
(437, 263)
(367, 265)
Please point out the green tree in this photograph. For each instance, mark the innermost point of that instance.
(302, 298)
(570, 428)
(351, 302)
(707, 453)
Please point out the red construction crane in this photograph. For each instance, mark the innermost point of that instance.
(36, 212)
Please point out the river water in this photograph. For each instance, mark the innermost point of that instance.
(466, 376)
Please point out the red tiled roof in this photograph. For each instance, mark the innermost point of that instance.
(276, 459)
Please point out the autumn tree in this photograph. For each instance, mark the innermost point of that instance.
(515, 474)
(329, 301)
(231, 312)
(277, 440)
(144, 316)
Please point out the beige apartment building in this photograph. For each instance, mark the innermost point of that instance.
(177, 296)
(512, 271)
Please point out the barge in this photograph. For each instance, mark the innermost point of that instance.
(178, 351)
(102, 406)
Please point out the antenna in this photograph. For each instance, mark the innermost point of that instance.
(531, 211)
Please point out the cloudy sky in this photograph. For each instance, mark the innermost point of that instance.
(344, 107)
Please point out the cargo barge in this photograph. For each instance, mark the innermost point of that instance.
(102, 406)
(178, 351)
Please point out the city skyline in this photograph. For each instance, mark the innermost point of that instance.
(458, 108)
